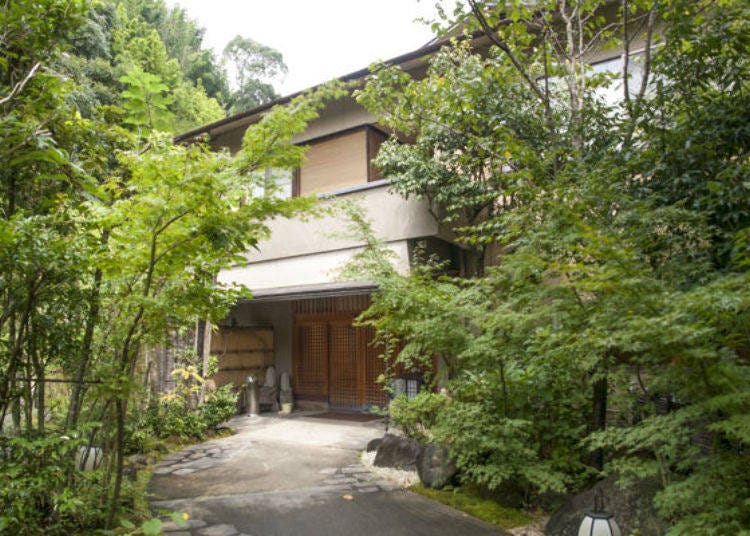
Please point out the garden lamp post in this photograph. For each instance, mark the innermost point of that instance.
(599, 522)
(252, 396)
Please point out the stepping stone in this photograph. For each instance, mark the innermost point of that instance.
(346, 480)
(328, 471)
(163, 470)
(364, 485)
(184, 471)
(205, 463)
(354, 470)
(218, 530)
(339, 482)
(196, 456)
(172, 527)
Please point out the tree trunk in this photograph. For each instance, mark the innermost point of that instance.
(200, 350)
(599, 418)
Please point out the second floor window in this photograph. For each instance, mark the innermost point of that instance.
(340, 161)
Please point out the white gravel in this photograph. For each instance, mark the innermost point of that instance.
(535, 528)
(398, 477)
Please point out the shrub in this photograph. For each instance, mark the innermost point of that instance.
(219, 406)
(173, 417)
(40, 492)
(176, 419)
(417, 416)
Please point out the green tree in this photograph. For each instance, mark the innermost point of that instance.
(107, 245)
(254, 66)
(145, 100)
(619, 228)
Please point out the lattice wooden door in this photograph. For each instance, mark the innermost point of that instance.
(311, 363)
(374, 367)
(344, 364)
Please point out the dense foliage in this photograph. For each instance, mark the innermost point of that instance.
(110, 241)
(602, 320)
(120, 42)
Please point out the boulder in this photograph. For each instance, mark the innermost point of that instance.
(632, 506)
(398, 452)
(373, 444)
(435, 467)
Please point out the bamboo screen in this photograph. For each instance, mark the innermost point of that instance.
(241, 352)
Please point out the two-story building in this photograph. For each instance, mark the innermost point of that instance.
(300, 318)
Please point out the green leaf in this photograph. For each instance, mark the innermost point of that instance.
(152, 527)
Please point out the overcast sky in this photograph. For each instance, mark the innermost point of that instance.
(320, 39)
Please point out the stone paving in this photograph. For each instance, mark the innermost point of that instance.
(353, 478)
(356, 478)
(192, 459)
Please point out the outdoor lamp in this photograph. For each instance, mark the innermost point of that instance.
(599, 522)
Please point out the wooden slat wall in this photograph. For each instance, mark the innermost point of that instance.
(339, 304)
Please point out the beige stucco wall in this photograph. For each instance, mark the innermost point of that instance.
(338, 116)
(306, 270)
(393, 218)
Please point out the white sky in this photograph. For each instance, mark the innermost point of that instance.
(319, 39)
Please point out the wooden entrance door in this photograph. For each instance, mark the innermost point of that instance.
(311, 359)
(330, 360)
(344, 361)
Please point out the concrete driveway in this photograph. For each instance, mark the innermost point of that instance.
(294, 476)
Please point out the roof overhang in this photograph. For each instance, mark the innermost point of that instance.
(302, 292)
(410, 60)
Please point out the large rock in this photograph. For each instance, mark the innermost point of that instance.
(631, 505)
(398, 452)
(373, 444)
(435, 467)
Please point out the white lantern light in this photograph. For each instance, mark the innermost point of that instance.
(599, 522)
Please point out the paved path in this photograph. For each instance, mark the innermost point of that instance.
(294, 476)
